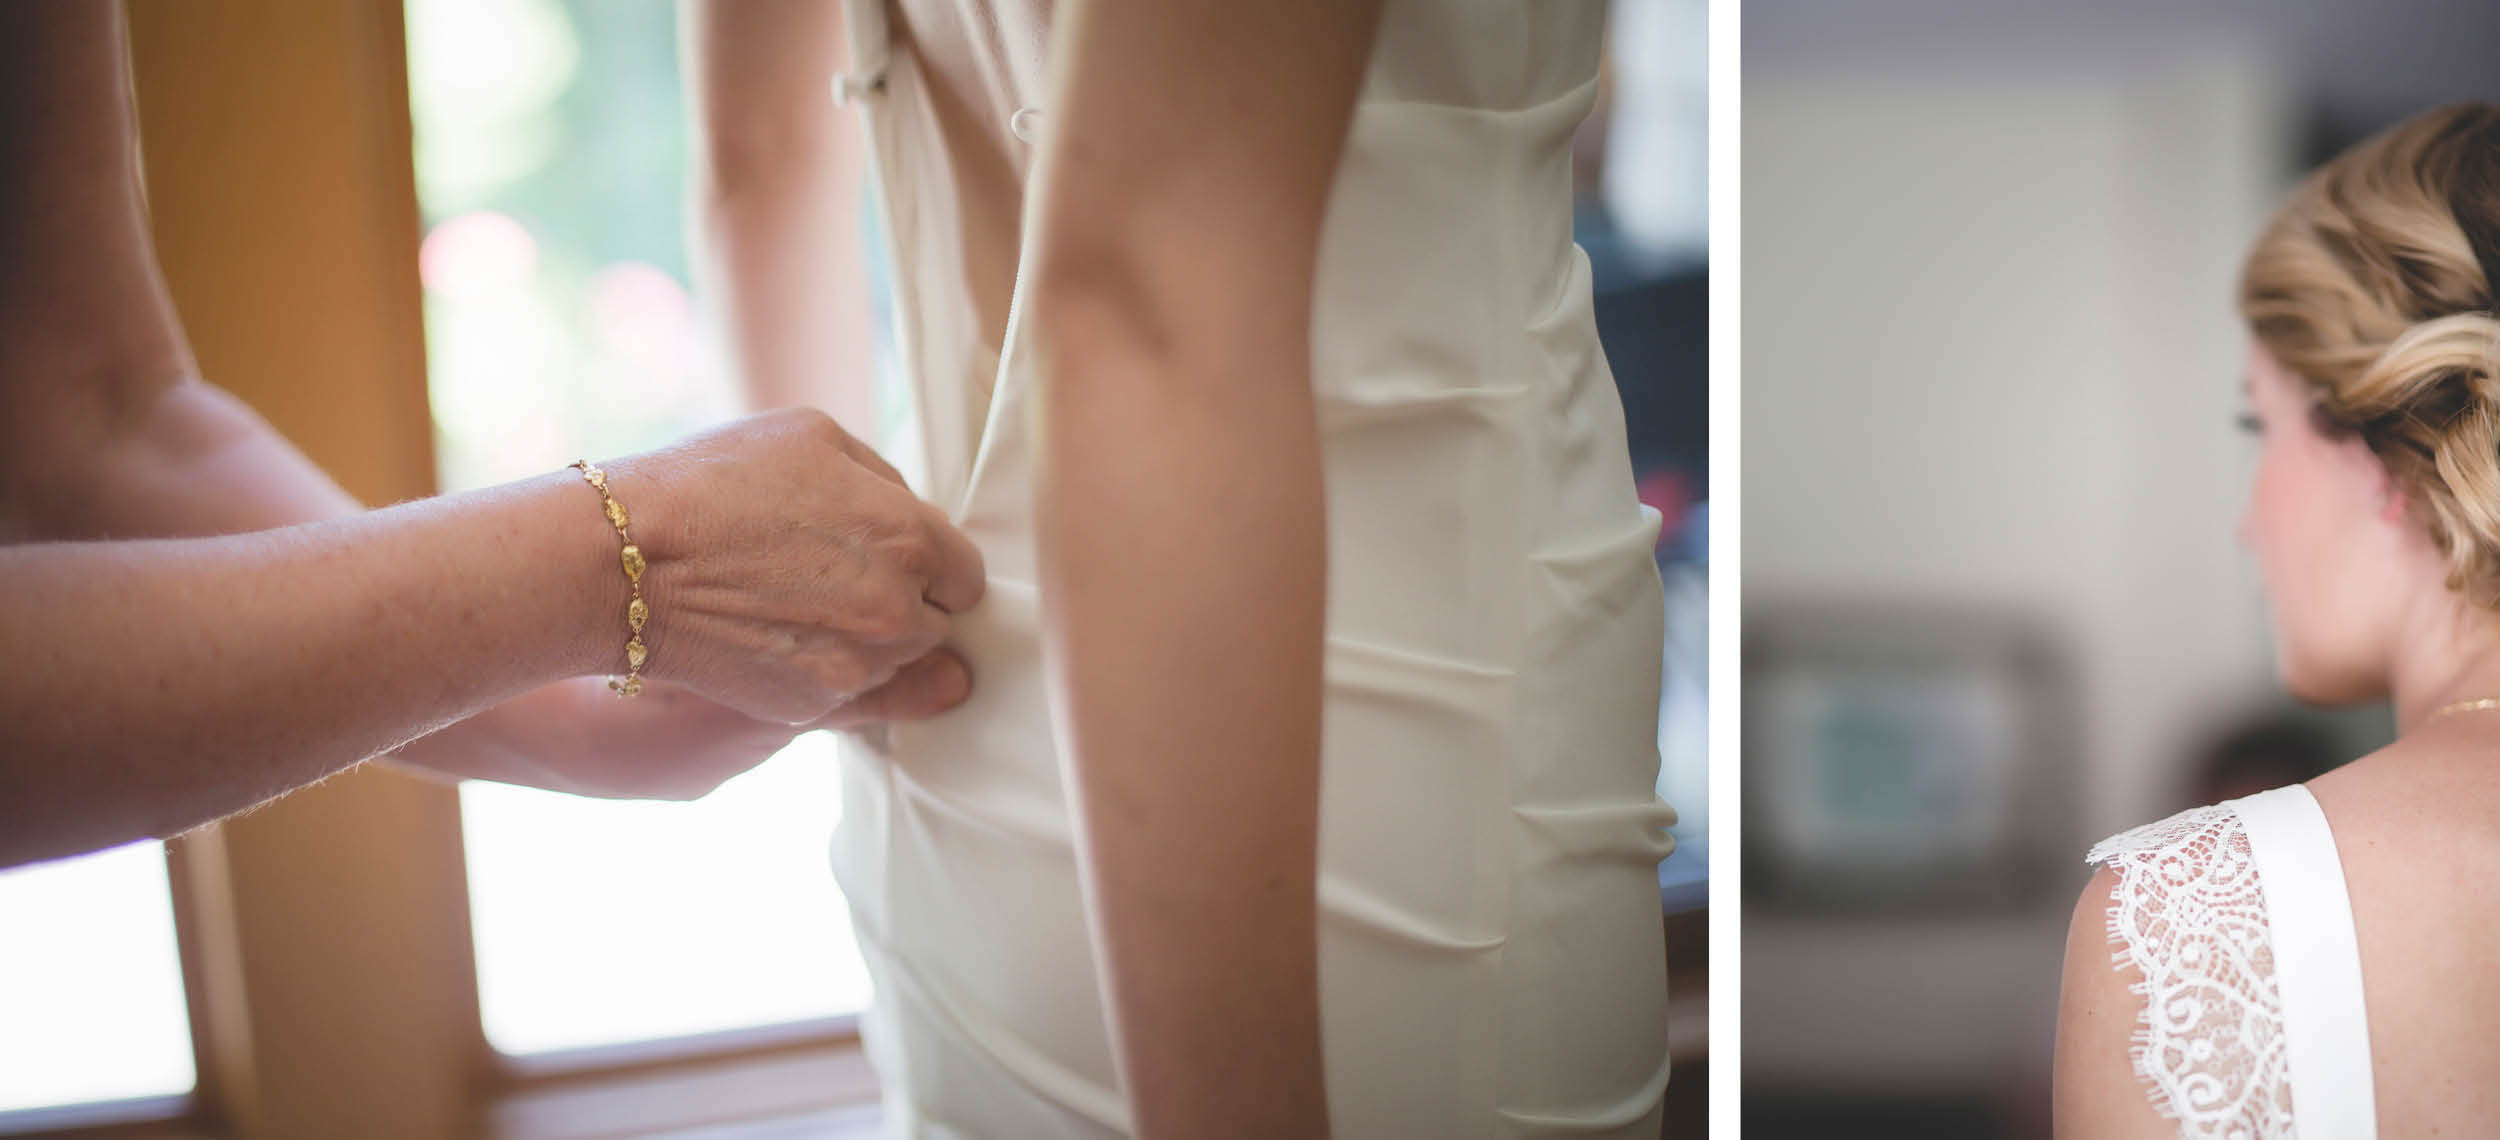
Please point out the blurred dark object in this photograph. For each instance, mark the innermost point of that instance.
(1657, 339)
(1653, 319)
(1688, 1024)
(1904, 758)
(1655, 329)
(1775, 1114)
(1688, 1103)
(2270, 750)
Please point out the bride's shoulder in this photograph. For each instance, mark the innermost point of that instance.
(2168, 888)
(2199, 834)
(2175, 908)
(2170, 898)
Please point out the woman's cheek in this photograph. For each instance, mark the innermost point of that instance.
(2276, 524)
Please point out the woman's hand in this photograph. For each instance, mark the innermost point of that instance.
(790, 570)
(780, 551)
(155, 685)
(670, 743)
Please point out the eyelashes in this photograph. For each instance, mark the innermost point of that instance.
(2249, 423)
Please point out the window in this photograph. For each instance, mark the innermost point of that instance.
(601, 922)
(551, 144)
(327, 939)
(91, 1000)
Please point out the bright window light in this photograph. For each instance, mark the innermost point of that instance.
(599, 922)
(559, 325)
(91, 999)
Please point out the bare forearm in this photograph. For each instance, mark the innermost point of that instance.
(1186, 172)
(1185, 571)
(105, 432)
(776, 187)
(153, 686)
(790, 295)
(199, 462)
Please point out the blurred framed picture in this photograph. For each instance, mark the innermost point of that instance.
(1904, 757)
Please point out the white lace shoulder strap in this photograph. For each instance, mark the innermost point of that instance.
(2226, 912)
(2188, 916)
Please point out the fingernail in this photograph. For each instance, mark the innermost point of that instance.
(948, 681)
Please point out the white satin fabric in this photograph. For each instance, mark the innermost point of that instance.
(1491, 951)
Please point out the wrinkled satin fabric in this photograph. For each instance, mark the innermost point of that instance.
(1492, 959)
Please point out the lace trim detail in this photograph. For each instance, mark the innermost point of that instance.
(2187, 913)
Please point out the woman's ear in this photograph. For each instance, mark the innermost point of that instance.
(2394, 501)
(2356, 462)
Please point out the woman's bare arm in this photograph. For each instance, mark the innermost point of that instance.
(151, 686)
(106, 433)
(777, 174)
(1189, 154)
(2098, 1096)
(195, 461)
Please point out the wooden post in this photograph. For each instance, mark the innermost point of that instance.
(327, 935)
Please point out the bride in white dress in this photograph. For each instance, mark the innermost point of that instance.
(1315, 688)
(2315, 961)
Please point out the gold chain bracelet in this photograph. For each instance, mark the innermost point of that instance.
(637, 611)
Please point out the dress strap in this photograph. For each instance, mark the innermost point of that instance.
(2317, 962)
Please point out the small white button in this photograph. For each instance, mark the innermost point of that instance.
(1026, 123)
(848, 87)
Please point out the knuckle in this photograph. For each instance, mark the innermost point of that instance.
(822, 427)
(865, 516)
(914, 551)
(779, 421)
(809, 430)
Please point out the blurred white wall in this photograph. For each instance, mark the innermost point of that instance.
(1991, 357)
(1658, 139)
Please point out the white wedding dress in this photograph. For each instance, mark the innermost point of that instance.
(1492, 959)
(2236, 920)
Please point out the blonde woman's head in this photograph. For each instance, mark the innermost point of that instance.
(2375, 381)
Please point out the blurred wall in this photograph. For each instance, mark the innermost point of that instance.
(1991, 360)
(1991, 357)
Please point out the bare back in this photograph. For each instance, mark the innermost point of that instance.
(2417, 825)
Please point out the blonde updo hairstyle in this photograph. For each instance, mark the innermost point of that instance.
(2374, 283)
